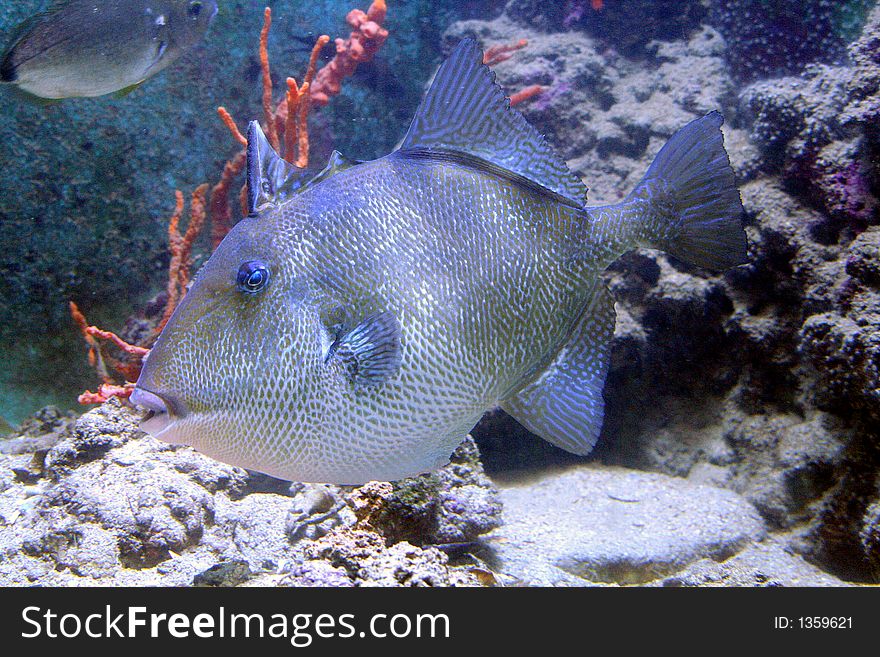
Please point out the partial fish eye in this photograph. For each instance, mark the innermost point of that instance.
(252, 276)
(195, 8)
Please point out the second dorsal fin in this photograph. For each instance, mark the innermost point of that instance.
(466, 112)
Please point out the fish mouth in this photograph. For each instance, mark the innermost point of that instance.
(162, 410)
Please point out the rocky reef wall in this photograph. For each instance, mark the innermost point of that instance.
(740, 443)
(96, 501)
(763, 380)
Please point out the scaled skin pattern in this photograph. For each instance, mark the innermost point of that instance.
(400, 299)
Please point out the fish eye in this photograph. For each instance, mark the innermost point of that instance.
(252, 276)
(195, 8)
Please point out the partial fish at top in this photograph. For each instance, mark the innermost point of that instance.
(356, 325)
(91, 47)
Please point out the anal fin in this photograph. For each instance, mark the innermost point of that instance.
(564, 405)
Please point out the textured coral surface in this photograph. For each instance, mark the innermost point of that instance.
(740, 438)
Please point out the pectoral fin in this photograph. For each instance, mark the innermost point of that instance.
(564, 405)
(370, 352)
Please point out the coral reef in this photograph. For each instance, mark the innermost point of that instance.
(128, 366)
(626, 26)
(357, 558)
(99, 502)
(770, 39)
(602, 525)
(820, 131)
(451, 507)
(762, 380)
(180, 247)
(361, 46)
(602, 114)
(38, 432)
(769, 563)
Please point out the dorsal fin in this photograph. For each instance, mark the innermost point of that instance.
(466, 112)
(270, 179)
(337, 162)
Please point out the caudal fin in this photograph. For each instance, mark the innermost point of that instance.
(692, 183)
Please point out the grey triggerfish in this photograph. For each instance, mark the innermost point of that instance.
(92, 48)
(358, 323)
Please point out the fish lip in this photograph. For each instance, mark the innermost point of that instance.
(158, 404)
(163, 413)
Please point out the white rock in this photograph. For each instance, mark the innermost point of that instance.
(598, 524)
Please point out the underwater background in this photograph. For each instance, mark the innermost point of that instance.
(759, 388)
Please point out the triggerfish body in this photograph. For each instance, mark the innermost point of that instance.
(358, 323)
(81, 48)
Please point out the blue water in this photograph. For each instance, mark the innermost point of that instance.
(88, 184)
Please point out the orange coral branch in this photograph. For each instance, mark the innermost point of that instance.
(105, 392)
(302, 127)
(289, 118)
(271, 129)
(221, 215)
(322, 41)
(196, 221)
(298, 104)
(130, 370)
(78, 317)
(501, 52)
(83, 325)
(181, 249)
(96, 360)
(363, 42)
(525, 94)
(230, 123)
(132, 349)
(89, 397)
(292, 100)
(174, 246)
